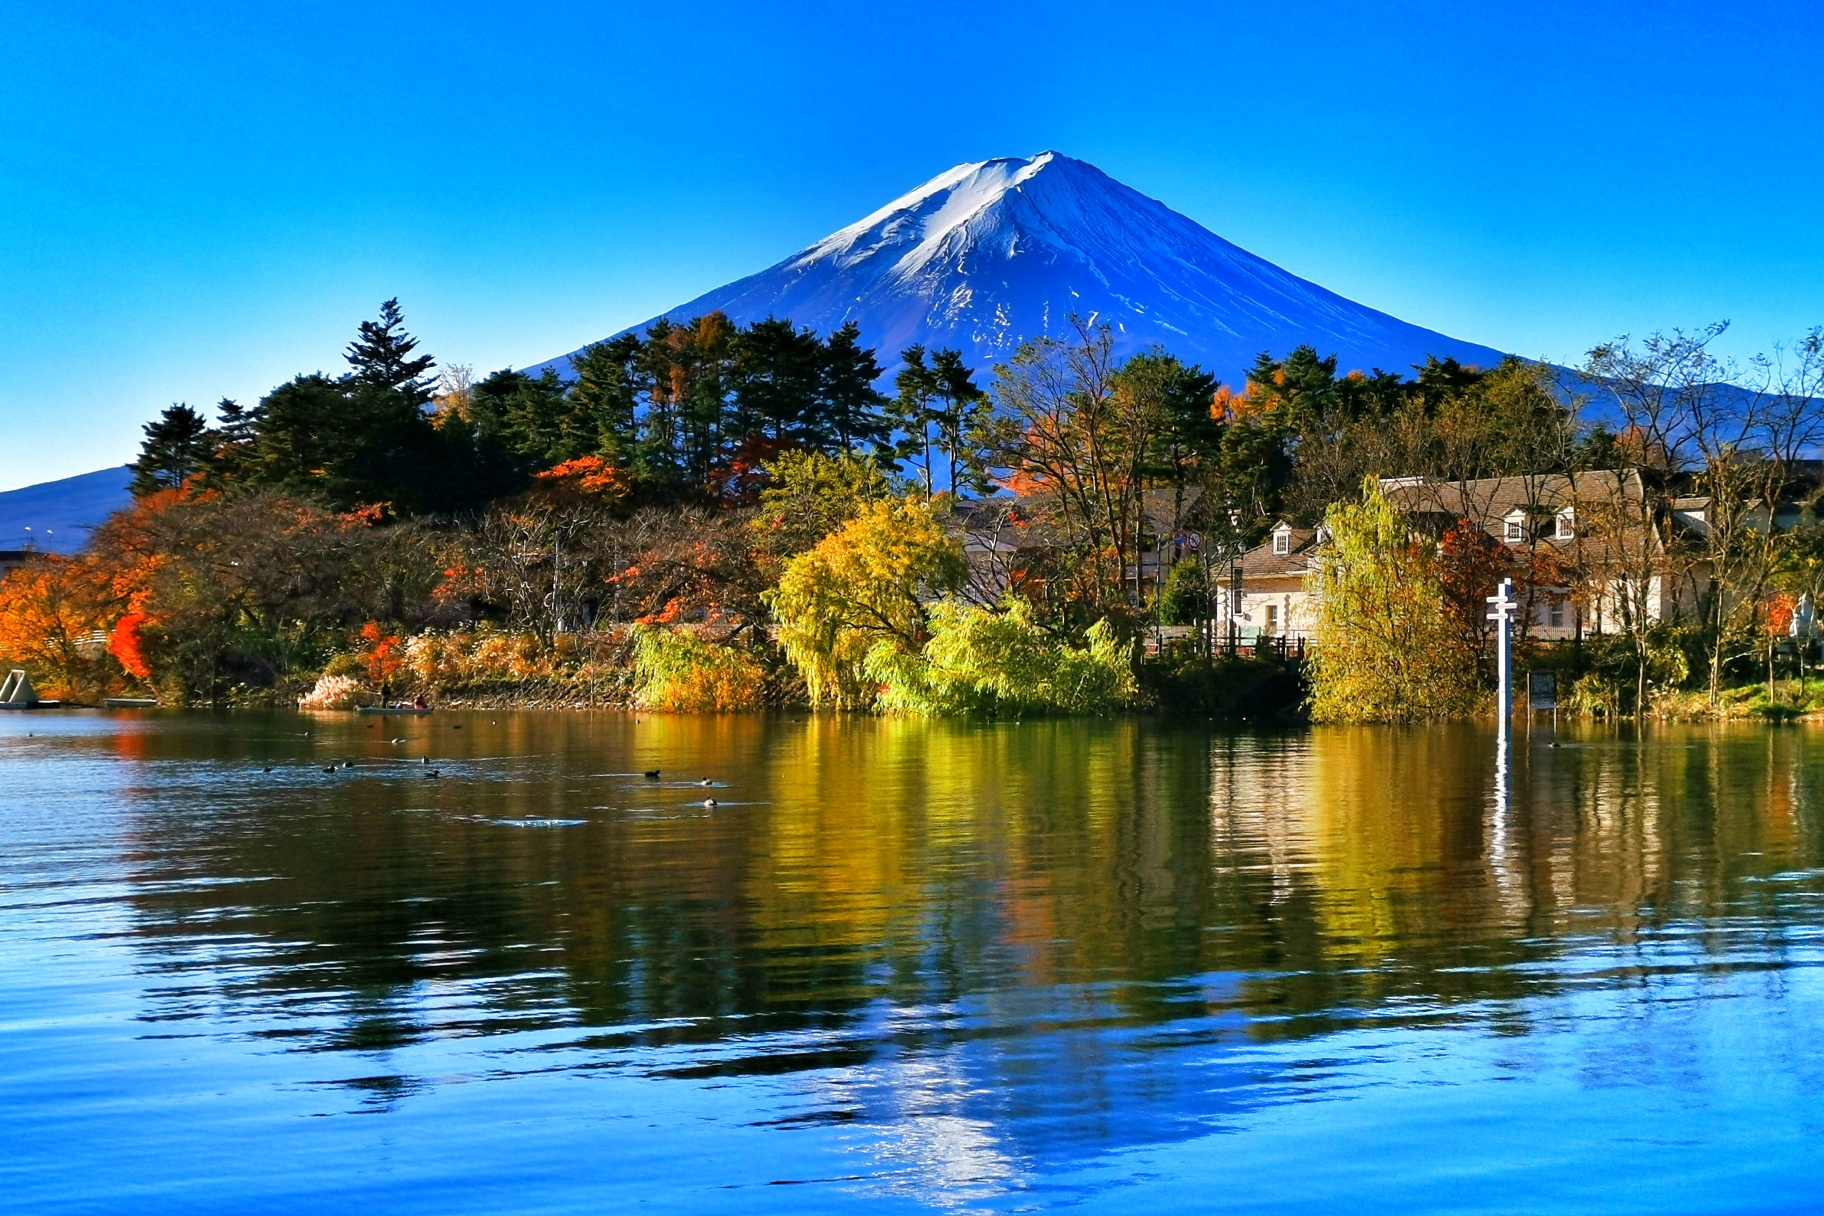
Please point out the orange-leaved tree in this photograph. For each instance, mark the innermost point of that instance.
(52, 614)
(380, 654)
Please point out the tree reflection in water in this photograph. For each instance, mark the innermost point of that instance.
(996, 946)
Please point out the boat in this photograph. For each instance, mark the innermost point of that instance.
(131, 702)
(16, 693)
(392, 709)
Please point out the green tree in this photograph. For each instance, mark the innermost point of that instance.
(848, 413)
(381, 356)
(177, 445)
(865, 584)
(809, 495)
(940, 411)
(1383, 649)
(980, 660)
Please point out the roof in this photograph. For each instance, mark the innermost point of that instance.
(1262, 562)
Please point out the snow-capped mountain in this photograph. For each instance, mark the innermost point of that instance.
(989, 254)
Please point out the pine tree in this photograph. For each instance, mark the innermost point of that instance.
(176, 446)
(849, 414)
(382, 357)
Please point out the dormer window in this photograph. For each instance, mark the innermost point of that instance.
(1567, 525)
(1282, 541)
(1513, 528)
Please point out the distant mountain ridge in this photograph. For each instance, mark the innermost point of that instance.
(990, 254)
(57, 516)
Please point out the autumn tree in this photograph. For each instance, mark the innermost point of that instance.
(51, 612)
(1384, 649)
(865, 584)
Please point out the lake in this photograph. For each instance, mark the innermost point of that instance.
(904, 965)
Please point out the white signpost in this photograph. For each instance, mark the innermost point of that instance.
(1503, 616)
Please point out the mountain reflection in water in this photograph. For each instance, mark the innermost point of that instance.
(978, 967)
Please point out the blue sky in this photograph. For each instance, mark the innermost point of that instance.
(204, 201)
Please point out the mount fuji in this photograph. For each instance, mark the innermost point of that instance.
(993, 253)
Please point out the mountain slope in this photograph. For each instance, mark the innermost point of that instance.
(990, 254)
(57, 516)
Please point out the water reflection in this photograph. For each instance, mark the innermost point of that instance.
(980, 954)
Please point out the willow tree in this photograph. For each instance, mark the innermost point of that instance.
(1384, 649)
(863, 585)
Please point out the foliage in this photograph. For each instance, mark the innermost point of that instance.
(128, 646)
(808, 495)
(332, 692)
(864, 584)
(979, 660)
(176, 447)
(1383, 649)
(677, 671)
(50, 612)
(1186, 595)
(379, 652)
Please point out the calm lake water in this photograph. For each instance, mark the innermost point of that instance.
(904, 965)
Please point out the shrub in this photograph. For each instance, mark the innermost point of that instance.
(682, 673)
(332, 692)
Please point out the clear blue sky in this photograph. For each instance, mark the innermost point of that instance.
(202, 200)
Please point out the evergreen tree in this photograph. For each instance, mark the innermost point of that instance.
(382, 357)
(938, 407)
(778, 373)
(848, 414)
(604, 399)
(176, 446)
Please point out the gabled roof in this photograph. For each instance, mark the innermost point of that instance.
(1262, 562)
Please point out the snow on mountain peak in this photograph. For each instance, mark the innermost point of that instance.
(992, 253)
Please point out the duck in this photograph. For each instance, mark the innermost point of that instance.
(706, 781)
(710, 802)
(652, 774)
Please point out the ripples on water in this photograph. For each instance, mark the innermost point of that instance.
(902, 964)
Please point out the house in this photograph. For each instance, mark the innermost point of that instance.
(1613, 543)
(1272, 601)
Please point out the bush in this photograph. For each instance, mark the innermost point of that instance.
(978, 660)
(682, 673)
(332, 692)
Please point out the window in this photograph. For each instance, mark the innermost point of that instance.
(1282, 541)
(1514, 529)
(1272, 618)
(1567, 525)
(1557, 610)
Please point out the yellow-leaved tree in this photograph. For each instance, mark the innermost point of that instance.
(866, 583)
(1384, 649)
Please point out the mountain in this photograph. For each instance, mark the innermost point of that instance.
(993, 253)
(57, 516)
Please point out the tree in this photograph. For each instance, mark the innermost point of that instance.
(177, 445)
(862, 585)
(1064, 439)
(1383, 649)
(809, 495)
(50, 611)
(381, 356)
(941, 411)
(848, 414)
(982, 660)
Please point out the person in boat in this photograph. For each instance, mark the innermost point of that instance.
(418, 702)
